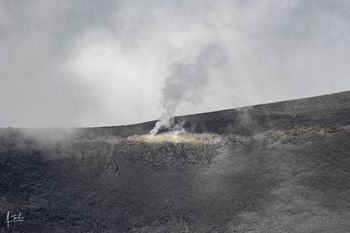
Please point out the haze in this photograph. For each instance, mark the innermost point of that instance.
(92, 63)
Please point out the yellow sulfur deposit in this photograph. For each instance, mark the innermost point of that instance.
(177, 137)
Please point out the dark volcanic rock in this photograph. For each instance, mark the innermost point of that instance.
(282, 167)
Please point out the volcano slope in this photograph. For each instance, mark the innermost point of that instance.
(281, 167)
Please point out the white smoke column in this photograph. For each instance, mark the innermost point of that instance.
(187, 81)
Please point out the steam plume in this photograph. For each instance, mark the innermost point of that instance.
(186, 81)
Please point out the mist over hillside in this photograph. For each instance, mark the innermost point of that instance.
(327, 110)
(280, 167)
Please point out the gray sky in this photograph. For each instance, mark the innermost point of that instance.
(92, 63)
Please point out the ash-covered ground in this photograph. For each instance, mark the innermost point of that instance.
(281, 167)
